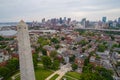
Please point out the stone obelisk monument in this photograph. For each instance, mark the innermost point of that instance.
(25, 55)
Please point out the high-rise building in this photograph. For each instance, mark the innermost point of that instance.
(110, 23)
(64, 19)
(119, 20)
(114, 24)
(83, 22)
(25, 55)
(69, 20)
(43, 20)
(87, 23)
(104, 19)
(60, 20)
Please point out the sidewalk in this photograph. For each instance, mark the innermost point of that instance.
(14, 76)
(48, 78)
(64, 69)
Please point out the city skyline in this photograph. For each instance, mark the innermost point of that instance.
(29, 10)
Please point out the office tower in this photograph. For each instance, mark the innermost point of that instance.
(83, 22)
(104, 19)
(43, 20)
(119, 20)
(64, 19)
(69, 20)
(60, 20)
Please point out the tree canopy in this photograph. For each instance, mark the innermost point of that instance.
(101, 48)
(55, 65)
(55, 40)
(13, 64)
(42, 41)
(53, 54)
(74, 66)
(46, 62)
(98, 73)
(4, 71)
(35, 59)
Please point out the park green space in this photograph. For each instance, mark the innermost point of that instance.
(71, 75)
(40, 74)
(54, 77)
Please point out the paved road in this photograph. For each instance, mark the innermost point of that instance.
(71, 77)
(64, 69)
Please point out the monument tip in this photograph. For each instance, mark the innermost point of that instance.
(22, 21)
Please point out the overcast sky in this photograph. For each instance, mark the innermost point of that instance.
(29, 10)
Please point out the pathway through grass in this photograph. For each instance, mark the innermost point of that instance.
(72, 76)
(54, 77)
(40, 74)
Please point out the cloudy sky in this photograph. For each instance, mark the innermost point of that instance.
(29, 10)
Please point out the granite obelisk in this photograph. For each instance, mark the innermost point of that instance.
(25, 55)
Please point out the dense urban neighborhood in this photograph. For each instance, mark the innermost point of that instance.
(59, 39)
(63, 51)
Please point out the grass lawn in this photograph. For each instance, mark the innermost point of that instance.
(40, 62)
(73, 74)
(18, 78)
(54, 77)
(67, 78)
(40, 74)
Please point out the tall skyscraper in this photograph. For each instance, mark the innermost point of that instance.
(83, 22)
(104, 19)
(64, 19)
(25, 55)
(119, 20)
(60, 20)
(43, 20)
(68, 20)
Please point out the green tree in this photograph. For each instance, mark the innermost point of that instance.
(55, 40)
(35, 59)
(53, 54)
(55, 65)
(106, 74)
(86, 62)
(118, 64)
(11, 67)
(46, 62)
(13, 64)
(83, 42)
(74, 66)
(112, 37)
(101, 48)
(74, 48)
(1, 38)
(42, 41)
(72, 58)
(57, 46)
(44, 52)
(88, 68)
(4, 72)
(99, 73)
(62, 38)
(90, 76)
(98, 57)
(115, 45)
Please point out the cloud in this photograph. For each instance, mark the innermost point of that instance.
(12, 10)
